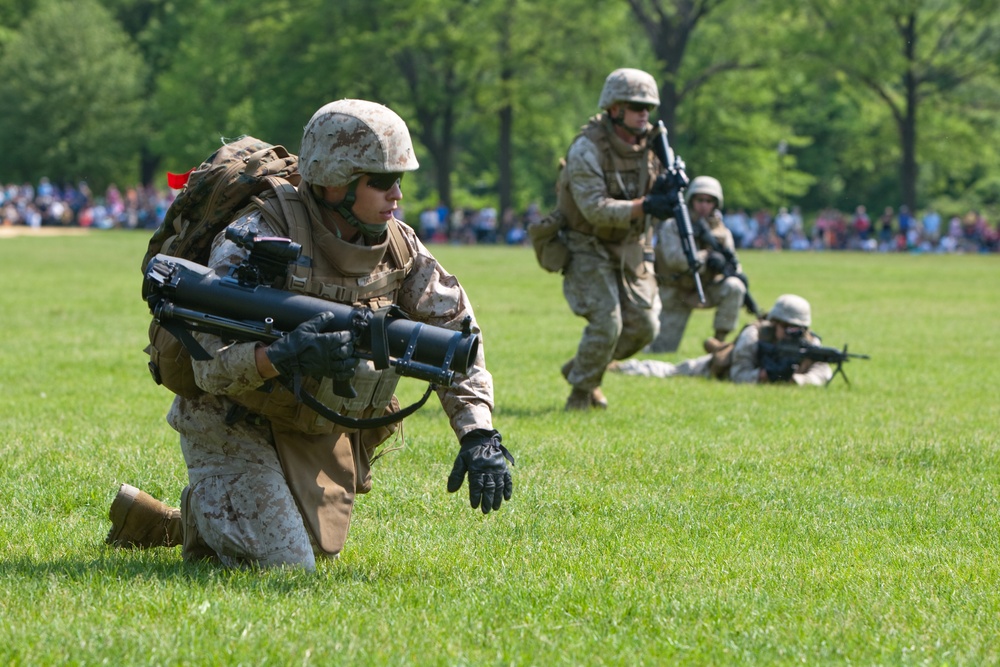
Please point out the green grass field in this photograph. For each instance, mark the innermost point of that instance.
(694, 523)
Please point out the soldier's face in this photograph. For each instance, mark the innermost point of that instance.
(634, 116)
(376, 198)
(784, 331)
(702, 205)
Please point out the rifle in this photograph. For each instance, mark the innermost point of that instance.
(184, 296)
(672, 184)
(782, 359)
(729, 270)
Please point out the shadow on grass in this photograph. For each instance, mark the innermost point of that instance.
(165, 566)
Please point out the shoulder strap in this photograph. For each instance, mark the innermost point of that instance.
(296, 219)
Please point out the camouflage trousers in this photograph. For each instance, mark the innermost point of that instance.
(238, 505)
(697, 367)
(725, 296)
(620, 304)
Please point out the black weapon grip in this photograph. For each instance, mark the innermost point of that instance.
(679, 180)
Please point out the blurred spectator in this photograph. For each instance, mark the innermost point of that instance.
(736, 223)
(905, 221)
(886, 230)
(861, 223)
(783, 223)
(429, 223)
(932, 226)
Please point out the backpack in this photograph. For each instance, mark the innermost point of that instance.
(214, 192)
(211, 197)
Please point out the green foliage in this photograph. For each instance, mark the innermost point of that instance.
(71, 97)
(825, 77)
(695, 522)
(944, 74)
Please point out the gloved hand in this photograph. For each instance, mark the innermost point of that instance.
(660, 207)
(311, 350)
(482, 456)
(663, 185)
(716, 262)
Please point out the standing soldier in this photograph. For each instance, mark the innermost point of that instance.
(678, 294)
(603, 196)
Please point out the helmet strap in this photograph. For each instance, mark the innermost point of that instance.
(345, 208)
(619, 120)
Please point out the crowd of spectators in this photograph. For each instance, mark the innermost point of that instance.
(470, 225)
(49, 205)
(892, 231)
(139, 207)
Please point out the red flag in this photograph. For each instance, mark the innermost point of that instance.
(178, 181)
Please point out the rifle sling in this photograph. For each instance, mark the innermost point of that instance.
(294, 385)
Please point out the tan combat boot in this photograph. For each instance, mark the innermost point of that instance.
(579, 399)
(140, 520)
(595, 396)
(712, 345)
(597, 399)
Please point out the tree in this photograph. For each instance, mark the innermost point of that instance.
(908, 54)
(670, 25)
(724, 79)
(530, 114)
(71, 97)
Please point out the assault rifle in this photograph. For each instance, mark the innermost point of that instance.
(782, 359)
(243, 306)
(729, 270)
(672, 183)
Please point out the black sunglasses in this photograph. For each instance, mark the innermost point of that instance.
(384, 182)
(639, 107)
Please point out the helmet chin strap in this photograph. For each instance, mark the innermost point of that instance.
(619, 120)
(344, 208)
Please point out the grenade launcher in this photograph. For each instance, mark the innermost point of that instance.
(185, 296)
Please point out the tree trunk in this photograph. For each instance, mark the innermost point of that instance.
(908, 122)
(148, 165)
(505, 152)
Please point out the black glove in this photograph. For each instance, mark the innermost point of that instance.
(312, 351)
(663, 185)
(483, 456)
(660, 207)
(716, 262)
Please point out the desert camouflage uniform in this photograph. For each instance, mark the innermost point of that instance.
(745, 366)
(678, 294)
(609, 280)
(239, 506)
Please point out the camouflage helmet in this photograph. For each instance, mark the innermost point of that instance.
(629, 85)
(705, 185)
(791, 309)
(347, 138)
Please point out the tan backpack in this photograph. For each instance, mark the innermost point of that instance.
(210, 198)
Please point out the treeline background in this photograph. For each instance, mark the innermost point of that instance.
(818, 103)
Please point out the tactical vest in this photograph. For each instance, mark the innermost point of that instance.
(626, 168)
(335, 270)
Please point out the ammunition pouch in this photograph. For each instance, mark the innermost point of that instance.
(547, 240)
